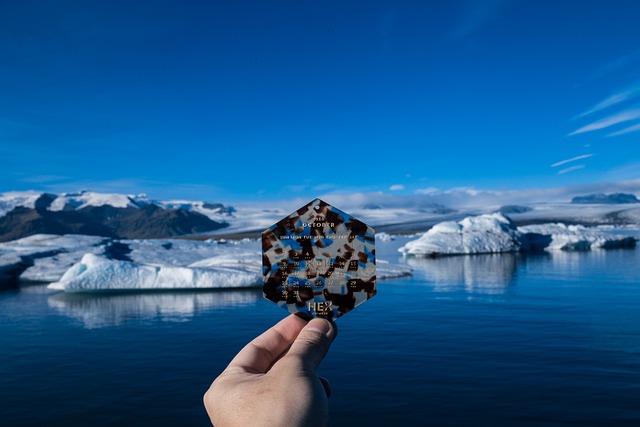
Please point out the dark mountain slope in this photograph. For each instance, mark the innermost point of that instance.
(150, 221)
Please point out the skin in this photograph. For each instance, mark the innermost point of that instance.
(272, 381)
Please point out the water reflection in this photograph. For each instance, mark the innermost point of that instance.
(101, 310)
(488, 274)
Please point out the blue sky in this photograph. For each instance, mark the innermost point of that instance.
(264, 100)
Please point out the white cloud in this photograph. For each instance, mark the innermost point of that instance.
(573, 159)
(428, 190)
(461, 198)
(571, 169)
(397, 187)
(630, 129)
(623, 95)
(621, 117)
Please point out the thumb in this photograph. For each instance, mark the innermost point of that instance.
(312, 343)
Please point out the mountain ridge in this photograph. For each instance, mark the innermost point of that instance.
(129, 220)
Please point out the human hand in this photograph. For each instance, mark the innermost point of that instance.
(272, 381)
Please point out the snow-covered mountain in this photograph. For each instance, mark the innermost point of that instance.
(95, 241)
(83, 199)
(85, 212)
(27, 213)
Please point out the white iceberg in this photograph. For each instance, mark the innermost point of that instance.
(497, 233)
(493, 233)
(573, 237)
(98, 273)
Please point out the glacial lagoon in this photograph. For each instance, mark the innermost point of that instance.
(545, 339)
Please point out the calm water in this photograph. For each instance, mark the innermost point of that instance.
(487, 340)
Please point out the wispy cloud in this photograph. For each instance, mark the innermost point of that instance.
(571, 169)
(573, 159)
(397, 187)
(630, 129)
(428, 190)
(621, 117)
(625, 94)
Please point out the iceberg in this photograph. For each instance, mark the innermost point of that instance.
(573, 237)
(490, 233)
(179, 264)
(497, 233)
(98, 273)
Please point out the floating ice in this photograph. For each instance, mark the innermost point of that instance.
(492, 233)
(573, 237)
(98, 273)
(496, 233)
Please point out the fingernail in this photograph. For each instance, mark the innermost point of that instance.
(321, 326)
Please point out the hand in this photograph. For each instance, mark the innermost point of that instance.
(272, 381)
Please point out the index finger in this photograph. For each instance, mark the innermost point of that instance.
(258, 356)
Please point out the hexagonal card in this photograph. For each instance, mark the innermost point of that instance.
(319, 261)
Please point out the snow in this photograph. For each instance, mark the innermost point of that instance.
(490, 233)
(220, 214)
(98, 273)
(89, 198)
(583, 214)
(393, 212)
(575, 237)
(12, 199)
(496, 233)
(180, 264)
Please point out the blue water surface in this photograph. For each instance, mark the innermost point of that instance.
(497, 340)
